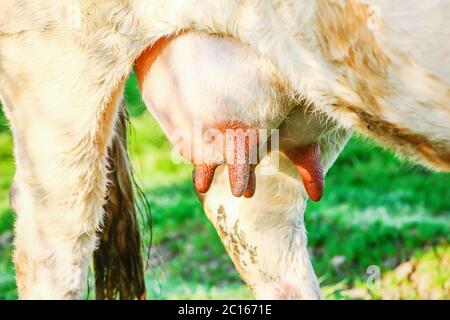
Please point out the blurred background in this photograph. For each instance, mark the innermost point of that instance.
(382, 230)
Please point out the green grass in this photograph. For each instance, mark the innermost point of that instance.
(376, 211)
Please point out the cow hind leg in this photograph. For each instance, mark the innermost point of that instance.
(265, 235)
(58, 194)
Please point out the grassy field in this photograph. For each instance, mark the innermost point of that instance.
(377, 212)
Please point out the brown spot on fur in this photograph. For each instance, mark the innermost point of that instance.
(226, 239)
(235, 244)
(401, 138)
(240, 238)
(345, 38)
(351, 47)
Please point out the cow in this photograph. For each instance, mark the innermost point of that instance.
(313, 70)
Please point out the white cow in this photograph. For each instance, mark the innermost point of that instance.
(378, 67)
